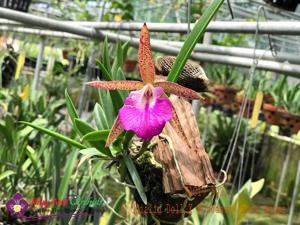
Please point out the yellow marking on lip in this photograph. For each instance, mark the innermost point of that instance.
(17, 208)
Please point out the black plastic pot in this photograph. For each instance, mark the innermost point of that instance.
(19, 5)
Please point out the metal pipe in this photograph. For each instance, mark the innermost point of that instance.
(286, 27)
(238, 51)
(81, 27)
(214, 49)
(45, 33)
(38, 66)
(48, 23)
(289, 69)
(286, 68)
(158, 46)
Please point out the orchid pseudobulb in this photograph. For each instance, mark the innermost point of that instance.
(147, 108)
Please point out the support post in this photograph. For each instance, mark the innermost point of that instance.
(84, 91)
(282, 176)
(296, 188)
(38, 66)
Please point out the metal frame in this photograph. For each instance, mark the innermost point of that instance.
(77, 28)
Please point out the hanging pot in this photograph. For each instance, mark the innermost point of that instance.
(209, 100)
(19, 5)
(225, 95)
(272, 114)
(268, 99)
(65, 53)
(290, 121)
(129, 65)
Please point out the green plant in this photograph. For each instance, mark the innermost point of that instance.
(226, 75)
(291, 99)
(286, 96)
(123, 9)
(261, 82)
(219, 134)
(233, 212)
(90, 140)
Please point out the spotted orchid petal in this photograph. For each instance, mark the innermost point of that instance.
(115, 131)
(146, 66)
(178, 90)
(116, 85)
(146, 112)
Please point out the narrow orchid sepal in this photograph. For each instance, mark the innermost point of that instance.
(115, 131)
(116, 85)
(178, 90)
(146, 65)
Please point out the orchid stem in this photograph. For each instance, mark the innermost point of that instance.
(143, 149)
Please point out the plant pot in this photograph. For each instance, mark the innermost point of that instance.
(224, 95)
(290, 122)
(268, 99)
(65, 53)
(272, 114)
(209, 100)
(249, 106)
(129, 65)
(19, 5)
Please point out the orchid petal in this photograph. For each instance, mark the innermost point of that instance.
(115, 131)
(146, 120)
(178, 90)
(146, 66)
(116, 85)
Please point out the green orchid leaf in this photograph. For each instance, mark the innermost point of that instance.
(135, 177)
(91, 152)
(55, 135)
(100, 117)
(83, 127)
(71, 108)
(96, 136)
(6, 174)
(63, 187)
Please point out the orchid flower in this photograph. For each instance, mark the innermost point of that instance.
(147, 108)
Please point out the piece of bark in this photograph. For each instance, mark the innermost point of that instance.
(193, 174)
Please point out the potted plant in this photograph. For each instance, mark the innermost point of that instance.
(226, 82)
(261, 83)
(271, 110)
(290, 117)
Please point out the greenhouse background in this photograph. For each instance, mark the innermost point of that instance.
(97, 129)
